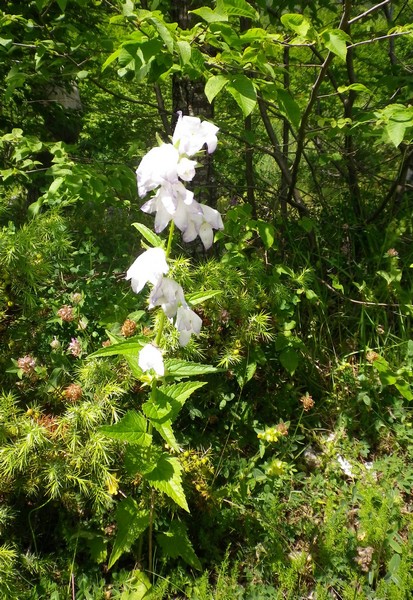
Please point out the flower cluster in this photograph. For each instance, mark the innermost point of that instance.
(163, 171)
(164, 168)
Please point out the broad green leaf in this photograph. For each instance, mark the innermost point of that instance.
(289, 360)
(237, 8)
(149, 235)
(140, 460)
(405, 389)
(166, 477)
(164, 33)
(267, 233)
(139, 587)
(182, 368)
(214, 85)
(335, 40)
(175, 542)
(209, 15)
(131, 523)
(396, 130)
(128, 347)
(298, 23)
(356, 87)
(62, 4)
(169, 399)
(199, 297)
(244, 93)
(184, 51)
(112, 58)
(289, 107)
(131, 428)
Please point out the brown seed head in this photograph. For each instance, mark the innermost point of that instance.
(128, 328)
(73, 392)
(307, 402)
(66, 313)
(26, 364)
(371, 356)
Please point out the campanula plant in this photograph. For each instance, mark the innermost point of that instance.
(152, 453)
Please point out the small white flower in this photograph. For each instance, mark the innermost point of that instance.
(345, 466)
(169, 295)
(149, 266)
(202, 224)
(150, 357)
(191, 135)
(173, 202)
(187, 323)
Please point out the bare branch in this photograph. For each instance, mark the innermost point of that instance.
(367, 12)
(378, 39)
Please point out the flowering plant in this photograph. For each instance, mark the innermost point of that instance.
(163, 172)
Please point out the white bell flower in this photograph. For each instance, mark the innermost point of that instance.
(191, 135)
(149, 266)
(163, 165)
(202, 224)
(172, 202)
(150, 357)
(169, 295)
(187, 322)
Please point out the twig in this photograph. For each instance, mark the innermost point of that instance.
(367, 12)
(378, 39)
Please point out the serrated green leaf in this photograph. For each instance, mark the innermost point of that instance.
(335, 40)
(175, 542)
(209, 15)
(149, 235)
(140, 460)
(214, 85)
(182, 368)
(131, 428)
(131, 523)
(243, 91)
(169, 399)
(237, 8)
(166, 477)
(126, 348)
(199, 297)
(289, 107)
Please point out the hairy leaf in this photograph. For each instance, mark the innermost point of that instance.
(132, 522)
(131, 428)
(175, 542)
(166, 477)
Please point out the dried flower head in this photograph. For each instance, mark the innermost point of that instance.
(27, 364)
(106, 343)
(371, 356)
(75, 347)
(73, 392)
(282, 428)
(77, 298)
(380, 329)
(307, 402)
(128, 328)
(392, 252)
(66, 313)
(55, 344)
(364, 558)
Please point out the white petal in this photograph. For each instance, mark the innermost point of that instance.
(186, 169)
(187, 322)
(206, 234)
(212, 216)
(158, 166)
(150, 357)
(169, 295)
(149, 266)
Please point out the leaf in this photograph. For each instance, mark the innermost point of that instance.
(169, 399)
(131, 428)
(199, 297)
(298, 23)
(132, 522)
(182, 368)
(164, 33)
(237, 8)
(289, 360)
(140, 587)
(175, 542)
(209, 15)
(214, 85)
(62, 4)
(404, 388)
(289, 107)
(267, 233)
(111, 58)
(244, 93)
(128, 347)
(396, 130)
(166, 477)
(149, 235)
(356, 87)
(184, 51)
(335, 40)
